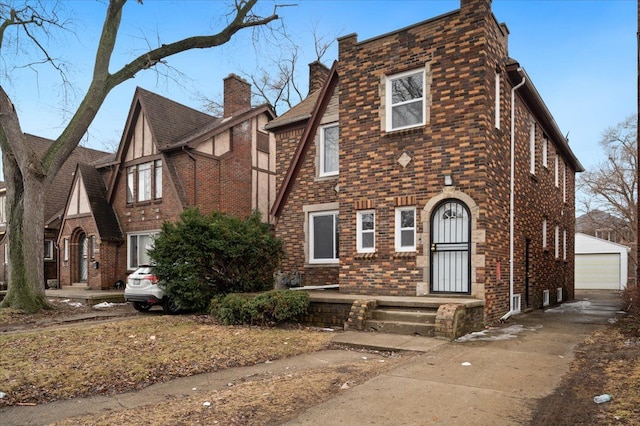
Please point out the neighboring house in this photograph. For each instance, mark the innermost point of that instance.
(170, 158)
(605, 226)
(395, 173)
(54, 204)
(600, 264)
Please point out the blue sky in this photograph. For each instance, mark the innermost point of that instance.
(581, 56)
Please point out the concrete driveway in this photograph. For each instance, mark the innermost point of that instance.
(488, 378)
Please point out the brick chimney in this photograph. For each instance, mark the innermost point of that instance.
(318, 74)
(237, 95)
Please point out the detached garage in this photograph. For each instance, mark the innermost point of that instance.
(600, 264)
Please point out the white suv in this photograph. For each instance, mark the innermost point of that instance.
(144, 291)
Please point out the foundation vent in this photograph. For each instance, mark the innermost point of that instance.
(516, 303)
(545, 298)
(559, 292)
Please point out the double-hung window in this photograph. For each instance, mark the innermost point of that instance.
(532, 148)
(544, 233)
(329, 150)
(545, 151)
(405, 235)
(405, 100)
(366, 229)
(138, 246)
(48, 250)
(144, 181)
(323, 237)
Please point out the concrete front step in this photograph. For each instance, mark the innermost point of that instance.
(405, 315)
(400, 327)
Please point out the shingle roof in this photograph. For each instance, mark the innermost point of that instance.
(169, 120)
(56, 196)
(300, 112)
(103, 213)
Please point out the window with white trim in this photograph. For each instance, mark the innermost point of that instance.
(3, 206)
(544, 233)
(557, 242)
(366, 231)
(497, 100)
(48, 250)
(6, 253)
(557, 171)
(545, 151)
(144, 181)
(329, 150)
(157, 168)
(532, 148)
(130, 183)
(405, 235)
(564, 244)
(323, 237)
(405, 100)
(138, 246)
(65, 255)
(564, 182)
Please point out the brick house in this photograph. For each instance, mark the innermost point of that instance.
(395, 174)
(53, 208)
(170, 158)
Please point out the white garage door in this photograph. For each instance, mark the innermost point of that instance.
(598, 271)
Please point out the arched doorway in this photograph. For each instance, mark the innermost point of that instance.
(450, 247)
(83, 266)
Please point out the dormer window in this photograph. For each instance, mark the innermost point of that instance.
(405, 100)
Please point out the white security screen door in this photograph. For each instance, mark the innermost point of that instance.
(450, 246)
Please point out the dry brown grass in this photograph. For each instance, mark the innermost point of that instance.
(51, 364)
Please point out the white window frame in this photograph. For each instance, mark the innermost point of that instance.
(322, 172)
(360, 232)
(544, 233)
(131, 184)
(557, 171)
(65, 255)
(557, 242)
(389, 99)
(144, 181)
(157, 171)
(130, 265)
(532, 148)
(48, 250)
(312, 258)
(6, 253)
(564, 244)
(400, 229)
(564, 182)
(497, 100)
(545, 151)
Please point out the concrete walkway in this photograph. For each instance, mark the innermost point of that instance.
(488, 378)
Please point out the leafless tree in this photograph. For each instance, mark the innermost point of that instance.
(27, 28)
(609, 191)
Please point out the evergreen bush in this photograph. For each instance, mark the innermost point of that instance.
(268, 308)
(200, 256)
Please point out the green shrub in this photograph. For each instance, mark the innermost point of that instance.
(269, 308)
(200, 256)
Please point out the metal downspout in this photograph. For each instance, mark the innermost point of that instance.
(512, 194)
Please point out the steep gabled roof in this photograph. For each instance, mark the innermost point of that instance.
(320, 106)
(56, 195)
(103, 213)
(298, 113)
(169, 120)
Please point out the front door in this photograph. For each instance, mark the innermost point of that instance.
(450, 248)
(82, 259)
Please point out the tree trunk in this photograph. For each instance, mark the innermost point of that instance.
(25, 214)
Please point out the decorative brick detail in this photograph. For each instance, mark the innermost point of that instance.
(361, 311)
(364, 205)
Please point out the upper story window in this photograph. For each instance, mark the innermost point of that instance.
(532, 148)
(366, 240)
(3, 206)
(405, 235)
(544, 233)
(329, 156)
(405, 100)
(143, 180)
(545, 149)
(497, 96)
(557, 170)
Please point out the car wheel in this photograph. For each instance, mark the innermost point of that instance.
(141, 306)
(169, 306)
